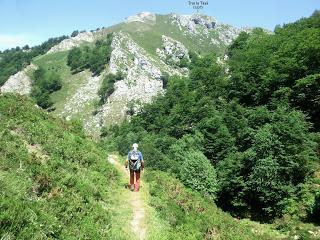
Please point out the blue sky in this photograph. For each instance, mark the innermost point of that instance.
(34, 21)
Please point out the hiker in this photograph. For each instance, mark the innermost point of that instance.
(136, 165)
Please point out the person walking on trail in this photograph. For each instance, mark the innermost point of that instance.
(136, 165)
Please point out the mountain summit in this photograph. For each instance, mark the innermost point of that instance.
(144, 49)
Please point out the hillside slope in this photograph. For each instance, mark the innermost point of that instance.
(145, 47)
(55, 183)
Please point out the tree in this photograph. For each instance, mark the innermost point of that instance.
(306, 95)
(107, 87)
(197, 173)
(279, 157)
(74, 33)
(43, 84)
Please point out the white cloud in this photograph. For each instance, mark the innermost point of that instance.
(13, 40)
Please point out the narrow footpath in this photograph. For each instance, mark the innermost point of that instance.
(137, 203)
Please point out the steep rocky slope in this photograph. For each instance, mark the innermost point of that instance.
(145, 47)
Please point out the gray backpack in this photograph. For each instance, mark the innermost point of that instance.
(134, 161)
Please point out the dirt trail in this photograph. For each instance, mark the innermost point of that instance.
(137, 223)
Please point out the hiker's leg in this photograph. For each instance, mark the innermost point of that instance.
(131, 179)
(137, 181)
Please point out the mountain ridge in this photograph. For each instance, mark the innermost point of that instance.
(144, 48)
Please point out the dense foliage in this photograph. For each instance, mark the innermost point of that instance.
(55, 183)
(107, 86)
(94, 58)
(282, 66)
(15, 59)
(255, 123)
(192, 217)
(44, 83)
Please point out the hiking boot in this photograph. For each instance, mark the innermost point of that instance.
(132, 188)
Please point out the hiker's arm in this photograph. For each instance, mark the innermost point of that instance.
(142, 161)
(127, 160)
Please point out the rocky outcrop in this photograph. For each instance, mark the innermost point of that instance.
(198, 24)
(115, 110)
(142, 78)
(142, 17)
(129, 58)
(172, 51)
(19, 82)
(69, 43)
(192, 22)
(84, 96)
(227, 33)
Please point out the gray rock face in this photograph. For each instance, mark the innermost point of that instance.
(172, 51)
(198, 24)
(206, 22)
(19, 82)
(141, 82)
(84, 96)
(192, 22)
(141, 17)
(69, 43)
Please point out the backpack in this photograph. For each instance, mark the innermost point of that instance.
(134, 161)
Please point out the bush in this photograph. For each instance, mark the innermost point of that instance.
(16, 59)
(54, 179)
(107, 86)
(315, 212)
(197, 173)
(280, 152)
(190, 216)
(43, 84)
(93, 58)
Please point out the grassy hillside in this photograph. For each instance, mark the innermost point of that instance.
(148, 35)
(191, 216)
(55, 183)
(77, 97)
(57, 62)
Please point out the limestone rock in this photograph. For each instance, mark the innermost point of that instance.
(192, 22)
(69, 43)
(198, 24)
(172, 51)
(142, 17)
(142, 79)
(84, 96)
(19, 82)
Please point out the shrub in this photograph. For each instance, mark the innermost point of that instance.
(197, 173)
(107, 86)
(93, 58)
(43, 84)
(53, 179)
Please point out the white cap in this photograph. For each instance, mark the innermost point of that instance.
(135, 145)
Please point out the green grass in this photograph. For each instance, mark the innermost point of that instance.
(192, 217)
(70, 82)
(149, 36)
(156, 228)
(55, 183)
